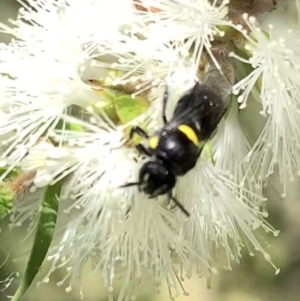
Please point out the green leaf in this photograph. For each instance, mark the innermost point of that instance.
(6, 194)
(68, 126)
(207, 152)
(11, 175)
(6, 201)
(129, 108)
(43, 238)
(120, 108)
(107, 105)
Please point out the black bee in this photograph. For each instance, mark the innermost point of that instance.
(175, 149)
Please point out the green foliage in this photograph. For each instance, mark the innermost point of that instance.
(120, 106)
(69, 126)
(207, 152)
(11, 175)
(128, 108)
(43, 238)
(6, 202)
(6, 195)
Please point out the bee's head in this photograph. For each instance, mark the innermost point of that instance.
(156, 179)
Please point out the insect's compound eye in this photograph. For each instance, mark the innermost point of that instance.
(155, 179)
(152, 171)
(144, 181)
(145, 177)
(150, 178)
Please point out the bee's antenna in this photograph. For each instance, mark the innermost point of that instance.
(130, 184)
(165, 100)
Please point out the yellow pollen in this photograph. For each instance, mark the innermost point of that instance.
(153, 142)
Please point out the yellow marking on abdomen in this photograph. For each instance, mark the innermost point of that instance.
(189, 132)
(153, 142)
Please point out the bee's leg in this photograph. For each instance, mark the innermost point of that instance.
(165, 100)
(139, 131)
(143, 150)
(136, 130)
(178, 204)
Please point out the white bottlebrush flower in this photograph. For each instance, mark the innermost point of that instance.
(42, 68)
(125, 234)
(275, 58)
(147, 64)
(190, 25)
(120, 230)
(230, 146)
(68, 26)
(222, 214)
(35, 101)
(50, 163)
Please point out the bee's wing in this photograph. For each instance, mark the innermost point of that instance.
(204, 105)
(219, 84)
(190, 103)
